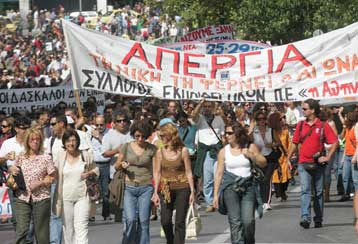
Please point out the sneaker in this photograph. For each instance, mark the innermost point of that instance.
(266, 206)
(305, 224)
(318, 224)
(210, 209)
(344, 198)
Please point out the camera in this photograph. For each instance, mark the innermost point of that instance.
(316, 156)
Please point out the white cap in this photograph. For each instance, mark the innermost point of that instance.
(69, 120)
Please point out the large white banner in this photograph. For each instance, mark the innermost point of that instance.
(31, 99)
(216, 47)
(321, 67)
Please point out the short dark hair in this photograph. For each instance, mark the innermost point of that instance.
(69, 133)
(61, 118)
(143, 126)
(120, 113)
(22, 121)
(313, 104)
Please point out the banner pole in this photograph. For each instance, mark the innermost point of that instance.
(78, 103)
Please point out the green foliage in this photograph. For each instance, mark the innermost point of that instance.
(280, 21)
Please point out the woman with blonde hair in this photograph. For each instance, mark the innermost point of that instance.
(173, 171)
(34, 202)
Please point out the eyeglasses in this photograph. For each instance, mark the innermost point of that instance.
(5, 126)
(229, 133)
(121, 121)
(98, 125)
(261, 118)
(53, 123)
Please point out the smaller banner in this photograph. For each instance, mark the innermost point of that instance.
(31, 99)
(214, 32)
(217, 47)
(5, 207)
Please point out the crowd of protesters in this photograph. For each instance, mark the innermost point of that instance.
(168, 152)
(38, 58)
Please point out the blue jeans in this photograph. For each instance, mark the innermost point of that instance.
(308, 179)
(55, 222)
(328, 170)
(347, 174)
(208, 179)
(241, 215)
(103, 181)
(355, 176)
(137, 198)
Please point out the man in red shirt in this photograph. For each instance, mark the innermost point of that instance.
(309, 139)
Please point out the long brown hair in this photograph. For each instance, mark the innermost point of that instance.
(169, 130)
(352, 119)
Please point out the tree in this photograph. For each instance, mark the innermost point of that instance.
(279, 21)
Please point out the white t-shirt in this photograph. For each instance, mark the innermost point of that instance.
(10, 145)
(238, 165)
(260, 142)
(205, 134)
(113, 139)
(73, 187)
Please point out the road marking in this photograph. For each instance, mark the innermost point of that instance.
(226, 235)
(221, 238)
(297, 189)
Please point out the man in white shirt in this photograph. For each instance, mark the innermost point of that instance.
(210, 132)
(10, 149)
(113, 141)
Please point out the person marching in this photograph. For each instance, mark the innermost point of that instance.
(309, 138)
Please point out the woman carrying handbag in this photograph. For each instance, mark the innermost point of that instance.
(72, 197)
(173, 171)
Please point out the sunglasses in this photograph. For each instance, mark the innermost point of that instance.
(304, 109)
(53, 124)
(121, 121)
(98, 125)
(5, 126)
(263, 108)
(229, 133)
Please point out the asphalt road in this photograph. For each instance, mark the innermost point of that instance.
(280, 225)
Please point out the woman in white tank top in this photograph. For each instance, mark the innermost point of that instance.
(235, 160)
